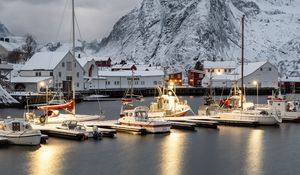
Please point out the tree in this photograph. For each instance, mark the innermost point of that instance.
(29, 47)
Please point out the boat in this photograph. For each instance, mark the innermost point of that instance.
(138, 116)
(51, 112)
(289, 109)
(18, 131)
(96, 97)
(235, 109)
(71, 129)
(167, 104)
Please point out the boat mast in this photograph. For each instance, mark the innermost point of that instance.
(242, 64)
(73, 52)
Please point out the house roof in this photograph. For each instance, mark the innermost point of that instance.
(129, 73)
(13, 44)
(236, 74)
(219, 64)
(28, 79)
(44, 60)
(290, 79)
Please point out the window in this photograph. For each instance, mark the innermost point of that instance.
(77, 74)
(155, 82)
(107, 82)
(208, 70)
(261, 69)
(142, 82)
(77, 84)
(69, 78)
(219, 70)
(51, 73)
(270, 69)
(225, 70)
(229, 70)
(117, 82)
(69, 66)
(59, 74)
(74, 64)
(178, 75)
(63, 64)
(212, 70)
(136, 82)
(38, 74)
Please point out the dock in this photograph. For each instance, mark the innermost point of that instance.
(112, 124)
(194, 120)
(230, 122)
(3, 141)
(183, 125)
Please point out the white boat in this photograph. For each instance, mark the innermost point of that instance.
(19, 132)
(70, 129)
(96, 97)
(138, 116)
(167, 104)
(289, 109)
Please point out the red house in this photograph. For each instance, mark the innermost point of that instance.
(195, 77)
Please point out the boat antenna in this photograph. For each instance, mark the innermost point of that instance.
(242, 63)
(73, 52)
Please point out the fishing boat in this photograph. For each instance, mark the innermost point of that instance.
(19, 131)
(167, 104)
(289, 109)
(138, 116)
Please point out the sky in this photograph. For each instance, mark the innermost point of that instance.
(50, 20)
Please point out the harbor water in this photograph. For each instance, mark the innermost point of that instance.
(226, 150)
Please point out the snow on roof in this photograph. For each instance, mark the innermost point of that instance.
(129, 73)
(14, 43)
(236, 74)
(28, 79)
(44, 60)
(249, 68)
(84, 60)
(140, 67)
(290, 79)
(219, 64)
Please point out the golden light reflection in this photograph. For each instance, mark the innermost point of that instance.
(255, 152)
(47, 159)
(172, 152)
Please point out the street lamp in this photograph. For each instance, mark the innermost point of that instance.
(256, 83)
(44, 84)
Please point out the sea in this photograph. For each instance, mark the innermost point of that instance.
(228, 150)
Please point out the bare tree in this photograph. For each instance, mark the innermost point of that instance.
(29, 47)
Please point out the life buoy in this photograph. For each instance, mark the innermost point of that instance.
(43, 119)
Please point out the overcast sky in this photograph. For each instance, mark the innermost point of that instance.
(42, 18)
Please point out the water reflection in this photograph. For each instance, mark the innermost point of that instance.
(254, 152)
(48, 159)
(173, 150)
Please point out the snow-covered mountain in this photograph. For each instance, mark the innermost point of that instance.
(3, 30)
(179, 33)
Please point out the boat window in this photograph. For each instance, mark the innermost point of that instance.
(16, 126)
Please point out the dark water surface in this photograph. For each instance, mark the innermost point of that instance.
(227, 150)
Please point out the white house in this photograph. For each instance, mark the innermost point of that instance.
(61, 66)
(218, 67)
(123, 79)
(264, 74)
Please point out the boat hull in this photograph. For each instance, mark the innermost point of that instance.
(260, 119)
(23, 138)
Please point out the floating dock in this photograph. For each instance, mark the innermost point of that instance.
(231, 122)
(3, 141)
(194, 120)
(183, 125)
